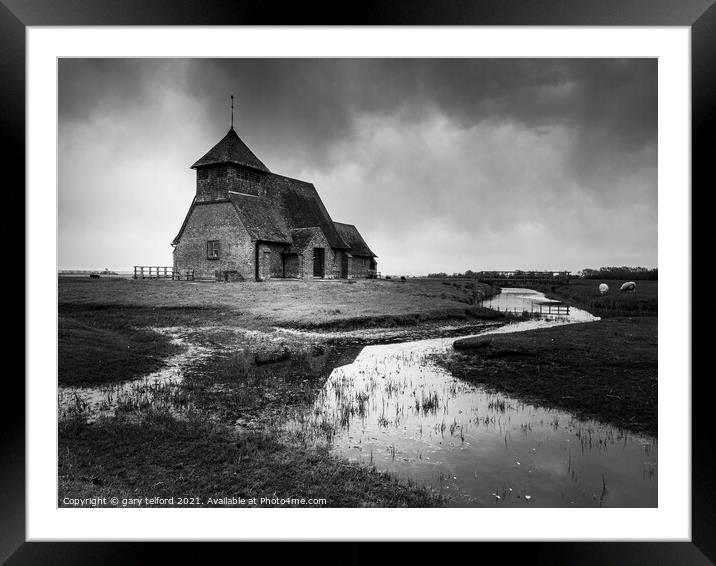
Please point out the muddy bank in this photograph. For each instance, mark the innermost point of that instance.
(605, 370)
(402, 320)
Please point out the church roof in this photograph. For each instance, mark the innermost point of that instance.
(231, 149)
(260, 218)
(301, 207)
(352, 237)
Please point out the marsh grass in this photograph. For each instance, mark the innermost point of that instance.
(162, 456)
(182, 438)
(92, 351)
(604, 370)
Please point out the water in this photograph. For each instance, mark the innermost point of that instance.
(526, 300)
(395, 409)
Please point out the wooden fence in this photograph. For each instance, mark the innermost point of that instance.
(162, 272)
(539, 309)
(553, 308)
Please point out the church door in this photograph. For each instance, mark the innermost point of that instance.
(319, 255)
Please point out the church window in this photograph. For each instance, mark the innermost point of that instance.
(203, 174)
(212, 249)
(221, 172)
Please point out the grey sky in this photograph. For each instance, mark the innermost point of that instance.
(442, 164)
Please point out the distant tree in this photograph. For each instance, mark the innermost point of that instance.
(622, 272)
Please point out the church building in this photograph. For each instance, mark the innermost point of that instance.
(247, 223)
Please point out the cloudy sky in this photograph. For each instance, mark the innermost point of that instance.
(442, 164)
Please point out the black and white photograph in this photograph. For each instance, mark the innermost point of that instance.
(357, 282)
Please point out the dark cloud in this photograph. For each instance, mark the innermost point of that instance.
(476, 150)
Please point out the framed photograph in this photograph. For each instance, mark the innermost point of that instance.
(390, 279)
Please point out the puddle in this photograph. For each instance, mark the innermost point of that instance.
(395, 409)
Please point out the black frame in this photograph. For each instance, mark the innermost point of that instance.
(699, 15)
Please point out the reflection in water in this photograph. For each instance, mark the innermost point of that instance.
(536, 303)
(393, 408)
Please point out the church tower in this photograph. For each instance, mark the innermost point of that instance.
(228, 166)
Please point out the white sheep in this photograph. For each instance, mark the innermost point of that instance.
(628, 286)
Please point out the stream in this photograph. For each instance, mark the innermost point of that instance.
(393, 408)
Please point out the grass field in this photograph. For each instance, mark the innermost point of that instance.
(584, 293)
(307, 304)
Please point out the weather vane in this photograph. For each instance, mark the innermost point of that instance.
(232, 111)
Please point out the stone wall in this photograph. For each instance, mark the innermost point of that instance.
(215, 221)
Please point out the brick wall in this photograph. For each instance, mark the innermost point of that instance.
(342, 264)
(271, 260)
(331, 266)
(293, 265)
(360, 266)
(215, 221)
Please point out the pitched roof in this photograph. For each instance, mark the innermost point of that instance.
(352, 237)
(299, 204)
(301, 238)
(260, 218)
(231, 149)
